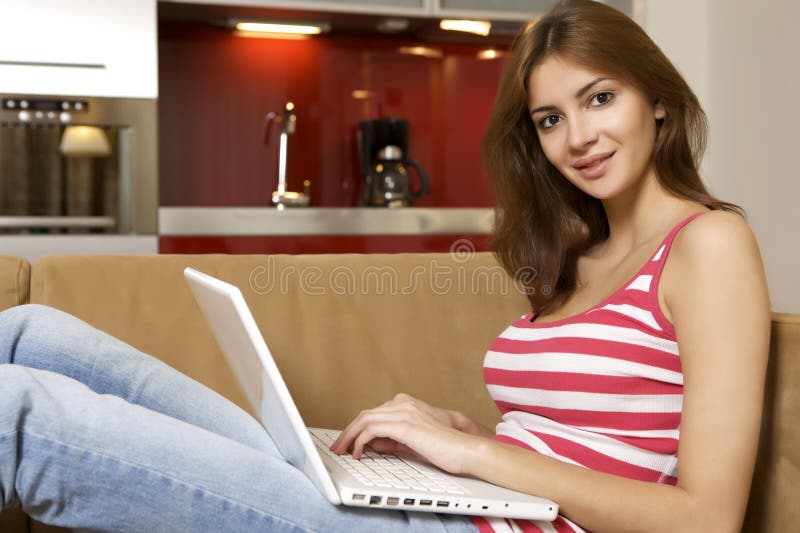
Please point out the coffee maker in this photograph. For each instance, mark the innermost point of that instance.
(383, 151)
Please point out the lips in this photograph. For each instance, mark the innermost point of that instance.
(593, 166)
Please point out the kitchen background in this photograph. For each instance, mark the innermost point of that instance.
(193, 172)
(215, 89)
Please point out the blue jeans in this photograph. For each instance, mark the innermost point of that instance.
(97, 436)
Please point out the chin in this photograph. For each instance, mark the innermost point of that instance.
(603, 191)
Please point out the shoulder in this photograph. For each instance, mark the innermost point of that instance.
(714, 257)
(714, 237)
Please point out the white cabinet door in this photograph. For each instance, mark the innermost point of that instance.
(80, 47)
(398, 7)
(507, 9)
(492, 9)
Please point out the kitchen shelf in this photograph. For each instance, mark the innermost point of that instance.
(256, 221)
(29, 222)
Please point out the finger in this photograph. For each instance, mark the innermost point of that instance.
(384, 445)
(380, 414)
(390, 446)
(361, 441)
(368, 431)
(393, 430)
(342, 442)
(345, 440)
(402, 397)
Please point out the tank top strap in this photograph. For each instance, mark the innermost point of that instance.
(648, 279)
(656, 263)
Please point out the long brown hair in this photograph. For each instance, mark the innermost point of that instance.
(543, 223)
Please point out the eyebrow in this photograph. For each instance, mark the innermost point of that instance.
(578, 95)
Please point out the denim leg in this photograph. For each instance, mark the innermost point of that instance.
(42, 337)
(91, 461)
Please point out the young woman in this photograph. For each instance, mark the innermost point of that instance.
(631, 395)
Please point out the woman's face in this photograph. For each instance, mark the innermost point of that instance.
(597, 131)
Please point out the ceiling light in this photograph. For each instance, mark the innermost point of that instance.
(392, 25)
(362, 94)
(270, 35)
(480, 27)
(490, 53)
(424, 51)
(248, 27)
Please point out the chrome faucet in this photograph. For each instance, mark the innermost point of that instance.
(288, 122)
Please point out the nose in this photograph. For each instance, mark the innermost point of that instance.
(582, 132)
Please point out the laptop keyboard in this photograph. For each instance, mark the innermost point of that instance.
(388, 471)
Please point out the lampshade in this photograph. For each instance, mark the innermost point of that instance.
(84, 141)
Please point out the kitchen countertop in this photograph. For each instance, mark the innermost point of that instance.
(31, 247)
(196, 221)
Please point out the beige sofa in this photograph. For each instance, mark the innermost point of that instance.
(349, 331)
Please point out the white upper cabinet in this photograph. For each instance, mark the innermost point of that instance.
(79, 47)
(499, 9)
(398, 7)
(508, 9)
(493, 9)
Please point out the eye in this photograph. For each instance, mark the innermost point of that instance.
(549, 121)
(601, 98)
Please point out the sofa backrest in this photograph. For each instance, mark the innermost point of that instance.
(776, 484)
(15, 275)
(347, 331)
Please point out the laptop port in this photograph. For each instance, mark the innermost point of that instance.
(426, 502)
(391, 500)
(359, 497)
(441, 503)
(409, 501)
(375, 500)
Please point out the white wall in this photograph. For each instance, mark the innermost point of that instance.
(740, 56)
(680, 28)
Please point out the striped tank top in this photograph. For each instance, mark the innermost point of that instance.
(602, 389)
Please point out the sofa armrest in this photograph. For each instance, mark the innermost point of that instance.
(15, 275)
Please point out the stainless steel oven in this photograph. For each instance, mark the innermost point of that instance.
(52, 184)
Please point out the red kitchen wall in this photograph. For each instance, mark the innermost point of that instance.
(215, 89)
(323, 244)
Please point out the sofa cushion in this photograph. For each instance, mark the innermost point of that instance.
(348, 331)
(15, 275)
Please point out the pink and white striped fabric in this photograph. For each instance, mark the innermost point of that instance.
(602, 389)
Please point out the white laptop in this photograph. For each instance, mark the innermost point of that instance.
(376, 480)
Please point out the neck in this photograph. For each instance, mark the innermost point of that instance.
(640, 214)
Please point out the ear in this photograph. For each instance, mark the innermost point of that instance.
(659, 111)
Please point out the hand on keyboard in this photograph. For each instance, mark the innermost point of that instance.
(405, 423)
(389, 471)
